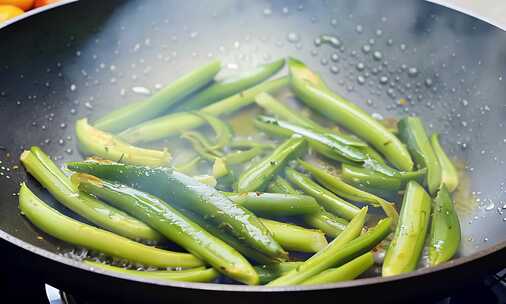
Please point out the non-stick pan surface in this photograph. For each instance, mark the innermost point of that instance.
(393, 58)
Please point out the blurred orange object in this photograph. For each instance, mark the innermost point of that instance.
(9, 11)
(22, 4)
(39, 3)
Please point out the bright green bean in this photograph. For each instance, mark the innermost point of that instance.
(93, 141)
(200, 274)
(406, 247)
(269, 272)
(349, 115)
(40, 166)
(449, 175)
(348, 271)
(230, 86)
(69, 230)
(412, 132)
(258, 176)
(172, 124)
(327, 199)
(160, 102)
(445, 233)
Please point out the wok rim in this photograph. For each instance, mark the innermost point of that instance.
(458, 262)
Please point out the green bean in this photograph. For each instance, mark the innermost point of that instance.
(449, 175)
(228, 238)
(412, 132)
(327, 199)
(348, 271)
(40, 166)
(325, 258)
(295, 238)
(339, 187)
(406, 247)
(93, 141)
(172, 124)
(160, 102)
(222, 130)
(258, 176)
(445, 229)
(330, 224)
(349, 115)
(191, 275)
(247, 143)
(336, 254)
(205, 179)
(173, 225)
(202, 151)
(269, 272)
(239, 157)
(230, 86)
(192, 195)
(220, 168)
(275, 204)
(271, 105)
(69, 230)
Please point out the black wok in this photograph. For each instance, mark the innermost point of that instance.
(82, 59)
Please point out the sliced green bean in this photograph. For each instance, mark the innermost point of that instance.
(230, 86)
(40, 166)
(220, 168)
(445, 229)
(198, 147)
(269, 272)
(69, 230)
(412, 132)
(349, 115)
(191, 275)
(327, 199)
(159, 102)
(295, 238)
(449, 175)
(281, 185)
(273, 106)
(221, 129)
(275, 204)
(406, 247)
(336, 255)
(339, 187)
(348, 271)
(239, 157)
(93, 141)
(189, 166)
(258, 176)
(173, 225)
(325, 258)
(172, 124)
(191, 195)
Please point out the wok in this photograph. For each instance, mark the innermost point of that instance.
(82, 59)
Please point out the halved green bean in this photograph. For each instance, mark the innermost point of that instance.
(296, 238)
(449, 175)
(333, 256)
(160, 102)
(412, 132)
(69, 230)
(349, 115)
(406, 247)
(269, 272)
(327, 199)
(230, 86)
(275, 204)
(192, 195)
(271, 105)
(173, 225)
(339, 187)
(445, 229)
(200, 274)
(368, 178)
(325, 258)
(93, 141)
(346, 272)
(40, 166)
(258, 176)
(172, 124)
